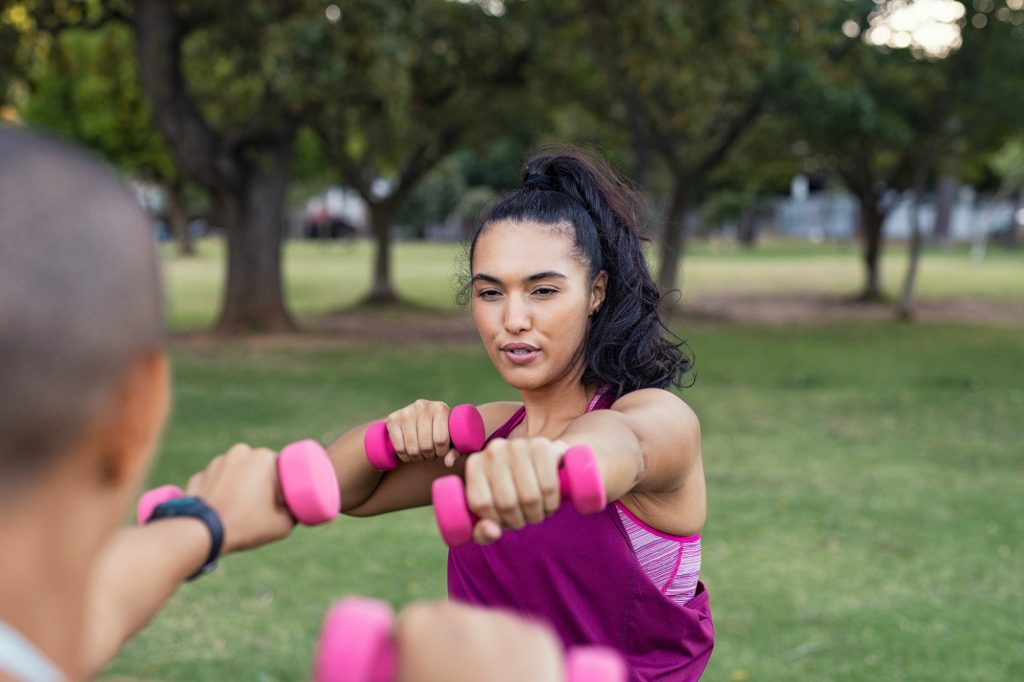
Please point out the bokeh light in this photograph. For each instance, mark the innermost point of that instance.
(930, 28)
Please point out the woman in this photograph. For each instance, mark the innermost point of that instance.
(567, 310)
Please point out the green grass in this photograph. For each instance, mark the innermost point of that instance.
(323, 277)
(865, 496)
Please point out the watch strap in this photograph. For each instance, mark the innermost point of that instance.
(195, 508)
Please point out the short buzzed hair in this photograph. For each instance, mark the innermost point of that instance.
(80, 295)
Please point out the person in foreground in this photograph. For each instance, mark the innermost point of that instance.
(83, 396)
(568, 313)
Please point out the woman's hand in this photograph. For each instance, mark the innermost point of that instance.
(242, 487)
(419, 432)
(512, 483)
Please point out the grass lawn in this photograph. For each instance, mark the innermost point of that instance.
(322, 277)
(865, 486)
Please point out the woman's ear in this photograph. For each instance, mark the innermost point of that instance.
(597, 292)
(133, 420)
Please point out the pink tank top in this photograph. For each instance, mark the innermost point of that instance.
(592, 580)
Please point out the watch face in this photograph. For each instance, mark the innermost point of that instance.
(180, 503)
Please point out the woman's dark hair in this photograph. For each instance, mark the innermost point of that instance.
(626, 347)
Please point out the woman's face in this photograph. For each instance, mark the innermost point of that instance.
(532, 301)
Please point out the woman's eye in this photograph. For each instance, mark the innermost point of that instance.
(488, 294)
(545, 291)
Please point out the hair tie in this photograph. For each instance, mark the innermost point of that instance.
(538, 181)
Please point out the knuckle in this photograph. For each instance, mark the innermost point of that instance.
(481, 508)
(495, 453)
(530, 501)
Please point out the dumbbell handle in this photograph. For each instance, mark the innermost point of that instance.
(465, 430)
(356, 645)
(579, 480)
(306, 478)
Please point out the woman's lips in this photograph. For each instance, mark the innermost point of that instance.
(520, 354)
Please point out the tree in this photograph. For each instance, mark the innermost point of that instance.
(14, 24)
(85, 86)
(879, 116)
(229, 86)
(418, 79)
(685, 81)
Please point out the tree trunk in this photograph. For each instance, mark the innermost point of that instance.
(905, 311)
(945, 197)
(639, 140)
(382, 291)
(872, 217)
(247, 178)
(254, 220)
(746, 231)
(673, 236)
(177, 216)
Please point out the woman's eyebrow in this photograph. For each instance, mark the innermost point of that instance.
(550, 274)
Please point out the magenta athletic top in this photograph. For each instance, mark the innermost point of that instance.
(583, 575)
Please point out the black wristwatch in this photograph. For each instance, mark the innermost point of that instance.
(196, 508)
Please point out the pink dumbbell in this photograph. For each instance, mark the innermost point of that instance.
(579, 478)
(465, 428)
(308, 483)
(356, 645)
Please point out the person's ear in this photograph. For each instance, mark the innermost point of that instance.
(598, 291)
(131, 424)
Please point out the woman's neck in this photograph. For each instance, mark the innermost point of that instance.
(549, 409)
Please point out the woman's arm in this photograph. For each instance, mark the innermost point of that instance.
(647, 447)
(367, 492)
(141, 568)
(647, 442)
(133, 578)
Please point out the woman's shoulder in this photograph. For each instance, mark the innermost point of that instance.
(653, 398)
(497, 413)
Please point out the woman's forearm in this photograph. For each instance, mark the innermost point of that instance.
(357, 478)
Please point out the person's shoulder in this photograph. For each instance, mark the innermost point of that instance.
(657, 398)
(497, 413)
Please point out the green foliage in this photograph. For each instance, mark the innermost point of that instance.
(413, 81)
(86, 88)
(873, 113)
(435, 198)
(257, 65)
(1008, 162)
(676, 77)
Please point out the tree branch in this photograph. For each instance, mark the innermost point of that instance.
(732, 134)
(158, 37)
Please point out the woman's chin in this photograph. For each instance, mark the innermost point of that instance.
(522, 379)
